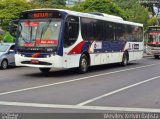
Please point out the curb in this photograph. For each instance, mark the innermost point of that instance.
(147, 55)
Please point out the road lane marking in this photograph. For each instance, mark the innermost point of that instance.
(59, 106)
(74, 80)
(117, 91)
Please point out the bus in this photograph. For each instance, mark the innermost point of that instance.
(153, 41)
(62, 39)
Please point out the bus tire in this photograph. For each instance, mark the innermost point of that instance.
(156, 56)
(44, 70)
(83, 65)
(125, 59)
(4, 64)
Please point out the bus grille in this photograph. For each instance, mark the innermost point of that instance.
(39, 63)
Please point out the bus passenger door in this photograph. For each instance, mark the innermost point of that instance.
(71, 32)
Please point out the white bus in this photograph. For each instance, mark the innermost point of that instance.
(63, 39)
(153, 41)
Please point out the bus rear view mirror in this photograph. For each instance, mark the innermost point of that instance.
(13, 27)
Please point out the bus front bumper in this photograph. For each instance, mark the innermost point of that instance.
(50, 62)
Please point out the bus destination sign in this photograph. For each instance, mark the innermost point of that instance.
(154, 28)
(39, 15)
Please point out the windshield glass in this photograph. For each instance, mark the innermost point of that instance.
(39, 33)
(3, 48)
(154, 37)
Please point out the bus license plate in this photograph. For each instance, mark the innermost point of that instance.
(34, 61)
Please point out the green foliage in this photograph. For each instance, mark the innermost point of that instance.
(48, 4)
(10, 9)
(152, 21)
(52, 2)
(135, 11)
(8, 38)
(103, 6)
(2, 37)
(60, 2)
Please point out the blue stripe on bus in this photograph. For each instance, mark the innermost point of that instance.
(60, 41)
(40, 56)
(108, 46)
(86, 46)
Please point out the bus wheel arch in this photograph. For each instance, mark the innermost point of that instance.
(84, 62)
(125, 58)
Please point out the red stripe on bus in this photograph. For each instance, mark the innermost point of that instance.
(35, 55)
(77, 49)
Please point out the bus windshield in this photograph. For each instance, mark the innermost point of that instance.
(39, 33)
(154, 37)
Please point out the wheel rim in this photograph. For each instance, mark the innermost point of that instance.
(84, 64)
(4, 64)
(125, 60)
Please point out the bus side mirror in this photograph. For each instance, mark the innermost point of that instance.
(13, 27)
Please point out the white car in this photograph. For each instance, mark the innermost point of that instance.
(7, 55)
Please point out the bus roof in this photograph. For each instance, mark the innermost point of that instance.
(105, 17)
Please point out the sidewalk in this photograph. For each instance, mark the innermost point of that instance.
(147, 55)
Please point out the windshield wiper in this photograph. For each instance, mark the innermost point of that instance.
(30, 34)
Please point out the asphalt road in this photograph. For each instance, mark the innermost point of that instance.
(108, 88)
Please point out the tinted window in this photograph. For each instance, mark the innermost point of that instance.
(71, 30)
(108, 31)
(88, 27)
(120, 32)
(96, 29)
(134, 33)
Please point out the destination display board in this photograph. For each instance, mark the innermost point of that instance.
(40, 14)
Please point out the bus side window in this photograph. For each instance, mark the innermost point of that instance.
(71, 31)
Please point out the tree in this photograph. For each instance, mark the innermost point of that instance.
(10, 9)
(59, 4)
(56, 2)
(8, 38)
(135, 11)
(103, 6)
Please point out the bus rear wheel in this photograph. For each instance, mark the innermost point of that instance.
(124, 59)
(156, 56)
(44, 70)
(83, 65)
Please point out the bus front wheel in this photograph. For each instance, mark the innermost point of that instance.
(83, 65)
(44, 70)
